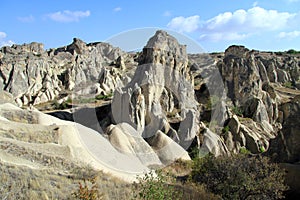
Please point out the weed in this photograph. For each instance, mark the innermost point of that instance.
(88, 190)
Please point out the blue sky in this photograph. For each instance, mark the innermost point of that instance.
(214, 25)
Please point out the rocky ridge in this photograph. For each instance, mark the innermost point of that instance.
(34, 75)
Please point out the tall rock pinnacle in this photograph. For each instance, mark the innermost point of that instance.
(160, 87)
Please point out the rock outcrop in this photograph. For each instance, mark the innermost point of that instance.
(161, 87)
(49, 138)
(34, 75)
(249, 78)
(286, 147)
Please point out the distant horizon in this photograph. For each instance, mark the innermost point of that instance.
(262, 25)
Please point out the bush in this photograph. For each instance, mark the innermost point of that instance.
(64, 105)
(288, 85)
(244, 150)
(226, 129)
(104, 97)
(155, 186)
(192, 191)
(237, 110)
(292, 51)
(240, 177)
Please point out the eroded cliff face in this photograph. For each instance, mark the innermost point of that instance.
(34, 75)
(286, 146)
(260, 88)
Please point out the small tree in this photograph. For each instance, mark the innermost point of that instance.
(240, 177)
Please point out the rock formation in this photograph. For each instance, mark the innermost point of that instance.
(33, 75)
(48, 136)
(250, 79)
(161, 87)
(286, 147)
(164, 102)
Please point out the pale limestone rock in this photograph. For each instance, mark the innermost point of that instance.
(167, 150)
(250, 134)
(126, 139)
(6, 97)
(120, 63)
(83, 145)
(213, 143)
(160, 84)
(90, 90)
(28, 70)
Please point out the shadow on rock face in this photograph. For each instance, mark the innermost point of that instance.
(95, 118)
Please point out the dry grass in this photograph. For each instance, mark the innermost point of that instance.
(33, 166)
(32, 133)
(18, 182)
(179, 168)
(22, 116)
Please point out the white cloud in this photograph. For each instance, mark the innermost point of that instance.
(167, 13)
(27, 19)
(68, 16)
(4, 42)
(2, 35)
(236, 25)
(215, 37)
(117, 9)
(289, 35)
(254, 19)
(182, 24)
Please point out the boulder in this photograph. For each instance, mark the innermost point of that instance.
(167, 150)
(6, 97)
(213, 143)
(126, 139)
(245, 132)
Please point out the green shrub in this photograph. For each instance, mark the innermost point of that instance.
(262, 149)
(194, 152)
(155, 186)
(225, 129)
(240, 177)
(104, 97)
(288, 85)
(87, 100)
(193, 191)
(292, 51)
(243, 150)
(237, 110)
(62, 106)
